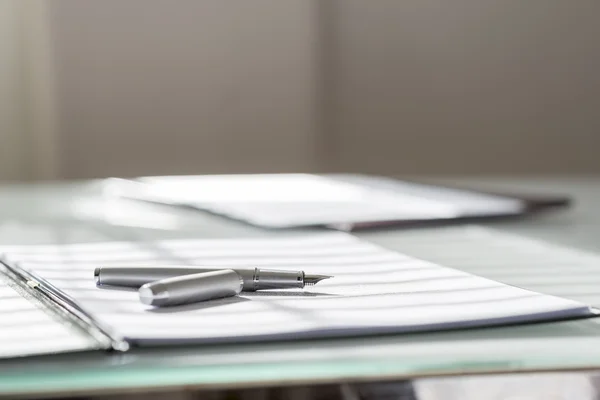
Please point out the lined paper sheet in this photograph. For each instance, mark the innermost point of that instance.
(27, 327)
(373, 290)
(514, 259)
(289, 200)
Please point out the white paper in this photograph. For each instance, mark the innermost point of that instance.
(373, 291)
(288, 200)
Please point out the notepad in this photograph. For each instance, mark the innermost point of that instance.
(293, 200)
(374, 291)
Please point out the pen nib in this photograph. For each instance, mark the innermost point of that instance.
(314, 279)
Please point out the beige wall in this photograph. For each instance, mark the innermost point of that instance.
(28, 140)
(11, 93)
(186, 86)
(465, 86)
(419, 86)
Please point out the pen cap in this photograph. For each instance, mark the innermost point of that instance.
(191, 288)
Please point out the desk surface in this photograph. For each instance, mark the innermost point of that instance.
(76, 212)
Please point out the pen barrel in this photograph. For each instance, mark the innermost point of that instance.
(277, 279)
(254, 278)
(138, 276)
(191, 288)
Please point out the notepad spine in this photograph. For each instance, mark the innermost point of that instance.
(66, 306)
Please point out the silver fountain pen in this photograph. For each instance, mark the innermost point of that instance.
(253, 278)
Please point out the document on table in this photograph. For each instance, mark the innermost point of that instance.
(373, 291)
(291, 200)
